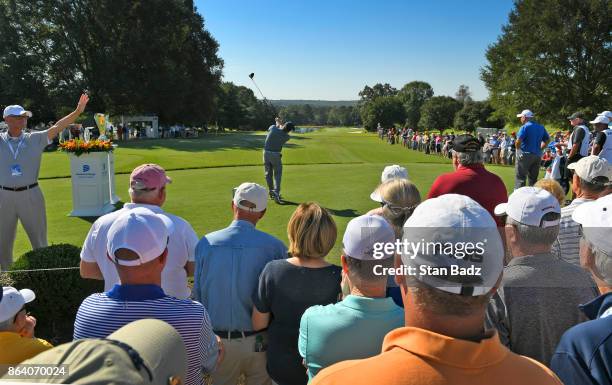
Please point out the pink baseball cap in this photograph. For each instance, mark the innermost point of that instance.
(149, 177)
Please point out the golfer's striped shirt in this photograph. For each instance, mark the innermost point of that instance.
(102, 314)
(567, 245)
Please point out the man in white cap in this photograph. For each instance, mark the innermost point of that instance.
(20, 197)
(137, 245)
(147, 189)
(393, 171)
(17, 328)
(531, 139)
(584, 355)
(445, 294)
(355, 327)
(592, 175)
(228, 264)
(602, 145)
(143, 352)
(539, 294)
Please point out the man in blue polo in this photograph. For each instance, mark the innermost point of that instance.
(532, 138)
(138, 246)
(278, 135)
(584, 354)
(355, 327)
(228, 263)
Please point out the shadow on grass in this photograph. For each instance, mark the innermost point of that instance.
(243, 140)
(346, 213)
(118, 206)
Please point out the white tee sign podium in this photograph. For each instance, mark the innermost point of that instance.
(91, 184)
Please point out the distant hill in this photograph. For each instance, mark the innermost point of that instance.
(315, 103)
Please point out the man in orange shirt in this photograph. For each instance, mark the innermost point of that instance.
(445, 291)
(17, 341)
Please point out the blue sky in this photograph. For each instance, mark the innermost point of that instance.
(331, 49)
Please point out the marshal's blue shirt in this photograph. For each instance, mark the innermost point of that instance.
(532, 135)
(104, 313)
(584, 354)
(228, 264)
(351, 329)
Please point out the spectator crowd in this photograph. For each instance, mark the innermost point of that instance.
(534, 308)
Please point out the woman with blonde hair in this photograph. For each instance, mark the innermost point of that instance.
(553, 187)
(398, 199)
(288, 287)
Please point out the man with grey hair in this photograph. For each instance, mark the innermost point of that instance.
(584, 355)
(147, 189)
(445, 340)
(591, 176)
(470, 177)
(539, 294)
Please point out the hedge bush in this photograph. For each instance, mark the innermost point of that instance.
(59, 293)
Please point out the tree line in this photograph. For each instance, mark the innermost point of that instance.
(157, 57)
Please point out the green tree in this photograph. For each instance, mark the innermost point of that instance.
(463, 94)
(476, 114)
(370, 93)
(386, 110)
(140, 56)
(553, 57)
(413, 95)
(438, 113)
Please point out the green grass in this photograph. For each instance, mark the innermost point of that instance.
(337, 168)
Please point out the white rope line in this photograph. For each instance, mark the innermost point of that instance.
(32, 270)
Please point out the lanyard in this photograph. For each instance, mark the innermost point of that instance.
(14, 151)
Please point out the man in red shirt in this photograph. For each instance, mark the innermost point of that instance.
(470, 177)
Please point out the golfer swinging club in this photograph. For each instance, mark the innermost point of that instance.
(278, 135)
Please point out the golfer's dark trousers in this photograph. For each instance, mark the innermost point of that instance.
(527, 167)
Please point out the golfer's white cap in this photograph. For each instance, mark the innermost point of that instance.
(362, 235)
(251, 197)
(528, 205)
(591, 167)
(16, 110)
(600, 119)
(142, 231)
(13, 301)
(607, 114)
(525, 113)
(596, 220)
(393, 171)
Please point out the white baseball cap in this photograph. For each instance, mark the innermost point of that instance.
(393, 171)
(528, 205)
(596, 220)
(251, 197)
(13, 301)
(16, 110)
(525, 113)
(607, 114)
(591, 167)
(361, 235)
(458, 221)
(142, 231)
(600, 119)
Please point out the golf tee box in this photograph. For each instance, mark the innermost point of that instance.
(91, 176)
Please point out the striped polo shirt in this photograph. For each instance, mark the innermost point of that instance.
(102, 314)
(567, 245)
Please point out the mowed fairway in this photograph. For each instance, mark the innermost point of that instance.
(336, 167)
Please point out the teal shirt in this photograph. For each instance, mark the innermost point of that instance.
(351, 329)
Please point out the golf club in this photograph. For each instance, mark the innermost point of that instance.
(251, 76)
